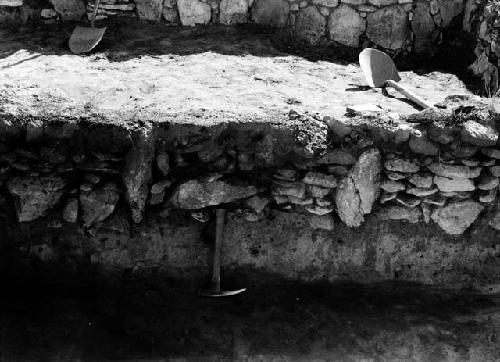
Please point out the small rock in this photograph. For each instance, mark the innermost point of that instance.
(411, 215)
(362, 110)
(401, 165)
(421, 144)
(395, 176)
(280, 199)
(319, 210)
(421, 180)
(252, 216)
(435, 199)
(392, 186)
(69, 9)
(338, 170)
(495, 171)
(470, 162)
(288, 174)
(323, 222)
(317, 191)
(300, 201)
(258, 203)
(487, 196)
(446, 184)
(339, 157)
(70, 211)
(487, 183)
(201, 215)
(479, 135)
(495, 221)
(158, 192)
(408, 201)
(92, 178)
(421, 191)
(245, 162)
(295, 189)
(321, 201)
(320, 179)
(453, 171)
(491, 152)
(163, 163)
(456, 217)
(463, 150)
(386, 196)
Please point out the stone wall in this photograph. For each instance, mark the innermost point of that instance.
(369, 197)
(395, 25)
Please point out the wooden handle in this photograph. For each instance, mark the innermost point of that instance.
(411, 96)
(94, 14)
(220, 215)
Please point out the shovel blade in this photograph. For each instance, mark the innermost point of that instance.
(84, 39)
(377, 67)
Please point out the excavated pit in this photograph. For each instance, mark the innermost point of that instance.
(112, 164)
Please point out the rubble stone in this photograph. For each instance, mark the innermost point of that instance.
(421, 180)
(69, 9)
(479, 135)
(70, 211)
(401, 165)
(388, 27)
(272, 13)
(34, 196)
(195, 194)
(258, 203)
(233, 11)
(454, 171)
(149, 9)
(338, 157)
(421, 191)
(456, 217)
(487, 182)
(392, 186)
(421, 144)
(98, 204)
(446, 184)
(411, 215)
(323, 222)
(194, 12)
(320, 179)
(310, 25)
(345, 26)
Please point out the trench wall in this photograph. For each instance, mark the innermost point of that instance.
(367, 198)
(406, 26)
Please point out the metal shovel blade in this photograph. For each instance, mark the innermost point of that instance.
(84, 39)
(222, 293)
(377, 67)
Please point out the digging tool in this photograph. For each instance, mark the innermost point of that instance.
(215, 289)
(380, 71)
(84, 39)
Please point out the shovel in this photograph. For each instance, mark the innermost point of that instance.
(380, 71)
(84, 39)
(215, 289)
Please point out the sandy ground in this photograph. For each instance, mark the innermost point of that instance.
(173, 71)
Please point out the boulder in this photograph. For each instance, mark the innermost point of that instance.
(478, 134)
(454, 184)
(34, 196)
(423, 27)
(388, 27)
(233, 11)
(69, 9)
(345, 26)
(357, 191)
(196, 194)
(271, 12)
(98, 204)
(310, 25)
(454, 171)
(137, 171)
(456, 217)
(410, 214)
(194, 12)
(149, 9)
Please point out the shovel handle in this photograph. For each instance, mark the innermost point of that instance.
(410, 95)
(94, 13)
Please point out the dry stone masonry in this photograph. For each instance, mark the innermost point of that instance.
(395, 25)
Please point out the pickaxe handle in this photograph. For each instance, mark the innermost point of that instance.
(410, 95)
(220, 215)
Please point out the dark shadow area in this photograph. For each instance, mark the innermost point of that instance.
(52, 314)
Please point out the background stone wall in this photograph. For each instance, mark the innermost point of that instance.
(396, 25)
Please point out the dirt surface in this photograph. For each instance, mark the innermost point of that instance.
(175, 71)
(154, 318)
